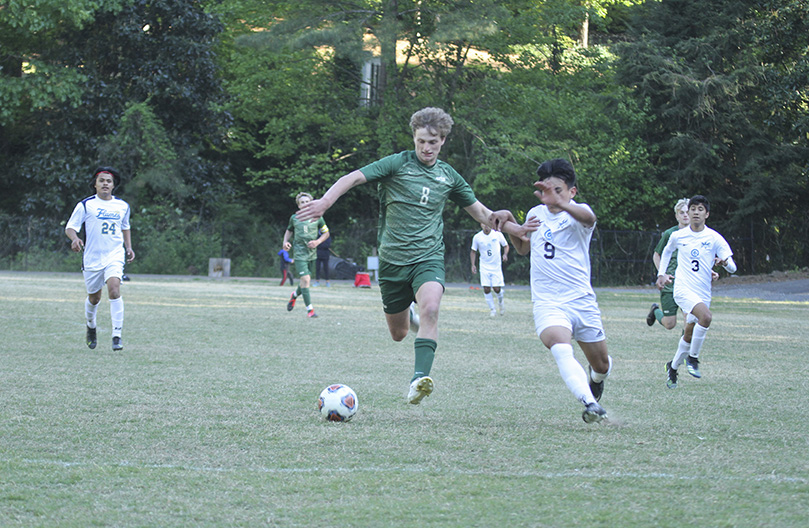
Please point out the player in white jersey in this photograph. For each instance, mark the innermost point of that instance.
(106, 223)
(488, 244)
(565, 306)
(699, 249)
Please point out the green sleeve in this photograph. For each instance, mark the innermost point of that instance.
(387, 166)
(462, 193)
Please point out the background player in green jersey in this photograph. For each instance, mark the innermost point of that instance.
(666, 312)
(306, 235)
(414, 187)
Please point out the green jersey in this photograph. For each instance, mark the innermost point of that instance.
(664, 239)
(303, 232)
(411, 206)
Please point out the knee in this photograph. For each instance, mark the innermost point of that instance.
(669, 322)
(397, 334)
(706, 319)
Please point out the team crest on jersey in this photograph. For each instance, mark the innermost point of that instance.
(103, 214)
(547, 235)
(695, 252)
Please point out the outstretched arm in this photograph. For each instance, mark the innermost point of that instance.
(317, 208)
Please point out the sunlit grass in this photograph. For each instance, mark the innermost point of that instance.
(208, 416)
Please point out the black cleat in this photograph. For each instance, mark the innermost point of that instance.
(117, 343)
(593, 413)
(91, 338)
(596, 388)
(650, 317)
(671, 376)
(692, 364)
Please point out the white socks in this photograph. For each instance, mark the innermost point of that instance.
(90, 311)
(117, 316)
(697, 339)
(693, 349)
(572, 372)
(489, 300)
(598, 377)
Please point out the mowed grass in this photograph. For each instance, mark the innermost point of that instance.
(207, 418)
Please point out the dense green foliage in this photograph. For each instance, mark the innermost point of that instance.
(219, 112)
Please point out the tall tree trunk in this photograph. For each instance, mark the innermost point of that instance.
(584, 34)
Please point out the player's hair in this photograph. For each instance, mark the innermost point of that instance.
(302, 195)
(699, 199)
(681, 204)
(559, 168)
(116, 177)
(433, 119)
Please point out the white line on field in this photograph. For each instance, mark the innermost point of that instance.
(451, 471)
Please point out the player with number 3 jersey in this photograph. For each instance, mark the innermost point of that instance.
(699, 249)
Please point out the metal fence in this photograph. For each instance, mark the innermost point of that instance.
(617, 257)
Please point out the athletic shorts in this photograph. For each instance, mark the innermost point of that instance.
(399, 284)
(581, 316)
(492, 278)
(304, 267)
(95, 280)
(686, 300)
(667, 304)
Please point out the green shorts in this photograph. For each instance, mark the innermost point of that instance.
(399, 284)
(304, 267)
(667, 304)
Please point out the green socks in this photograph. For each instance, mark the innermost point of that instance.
(425, 353)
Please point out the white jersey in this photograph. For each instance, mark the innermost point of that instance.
(489, 248)
(560, 257)
(104, 221)
(695, 259)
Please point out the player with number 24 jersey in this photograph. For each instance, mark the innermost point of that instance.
(104, 222)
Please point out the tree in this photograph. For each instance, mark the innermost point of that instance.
(720, 112)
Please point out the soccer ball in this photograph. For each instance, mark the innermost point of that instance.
(337, 403)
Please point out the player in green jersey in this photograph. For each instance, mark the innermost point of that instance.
(414, 187)
(306, 235)
(665, 313)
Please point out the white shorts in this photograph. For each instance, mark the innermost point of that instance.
(492, 278)
(95, 280)
(686, 300)
(581, 316)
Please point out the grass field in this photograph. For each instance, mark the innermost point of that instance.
(207, 418)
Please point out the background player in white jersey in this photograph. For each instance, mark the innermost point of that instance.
(413, 188)
(565, 306)
(108, 242)
(488, 244)
(699, 249)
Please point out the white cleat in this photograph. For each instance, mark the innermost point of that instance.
(493, 313)
(419, 389)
